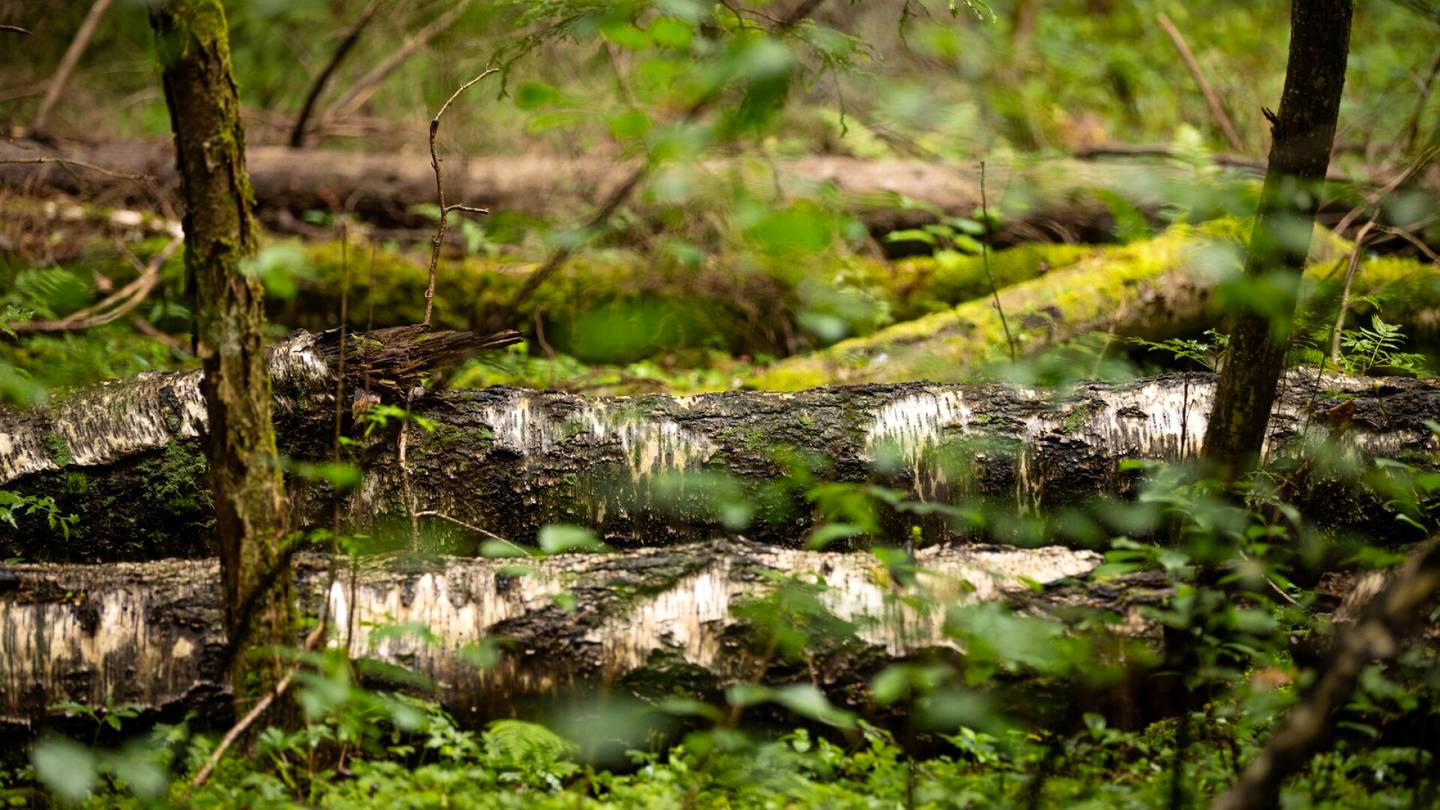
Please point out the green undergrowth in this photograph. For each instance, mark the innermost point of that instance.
(426, 760)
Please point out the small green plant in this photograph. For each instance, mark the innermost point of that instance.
(1378, 346)
(13, 504)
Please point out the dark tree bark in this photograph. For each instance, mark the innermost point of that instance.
(220, 234)
(1303, 134)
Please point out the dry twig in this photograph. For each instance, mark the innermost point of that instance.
(257, 711)
(67, 162)
(1217, 111)
(366, 86)
(297, 135)
(113, 306)
(68, 63)
(439, 238)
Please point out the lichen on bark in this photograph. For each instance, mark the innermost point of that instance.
(220, 235)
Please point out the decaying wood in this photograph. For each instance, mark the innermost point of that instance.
(150, 633)
(1045, 198)
(507, 460)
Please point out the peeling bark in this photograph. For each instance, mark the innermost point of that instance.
(509, 460)
(150, 633)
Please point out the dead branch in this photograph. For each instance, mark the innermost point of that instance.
(68, 63)
(15, 29)
(297, 135)
(1381, 630)
(113, 306)
(1217, 111)
(1412, 130)
(445, 210)
(1354, 265)
(257, 711)
(366, 86)
(79, 164)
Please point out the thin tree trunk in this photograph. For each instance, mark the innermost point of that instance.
(1304, 133)
(220, 235)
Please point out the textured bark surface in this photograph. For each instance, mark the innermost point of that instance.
(1049, 199)
(1303, 134)
(151, 634)
(657, 469)
(220, 234)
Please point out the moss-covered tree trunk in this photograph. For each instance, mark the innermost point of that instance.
(1303, 134)
(220, 234)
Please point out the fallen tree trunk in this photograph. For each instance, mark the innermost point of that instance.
(1048, 199)
(658, 469)
(1156, 288)
(149, 634)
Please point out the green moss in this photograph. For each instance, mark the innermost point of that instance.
(57, 449)
(1039, 312)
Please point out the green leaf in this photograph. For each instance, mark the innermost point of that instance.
(66, 768)
(534, 95)
(560, 538)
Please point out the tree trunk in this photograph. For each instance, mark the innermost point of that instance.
(150, 633)
(658, 469)
(220, 235)
(1303, 135)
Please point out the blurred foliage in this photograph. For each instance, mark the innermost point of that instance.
(721, 284)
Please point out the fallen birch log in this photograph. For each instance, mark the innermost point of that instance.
(1047, 199)
(1156, 288)
(149, 634)
(658, 469)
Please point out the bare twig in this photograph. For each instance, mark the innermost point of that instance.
(1217, 111)
(68, 63)
(256, 711)
(366, 86)
(113, 306)
(1383, 626)
(985, 262)
(1412, 130)
(1354, 265)
(63, 161)
(439, 238)
(297, 135)
(620, 193)
(477, 529)
(15, 29)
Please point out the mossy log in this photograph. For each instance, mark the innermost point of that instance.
(690, 617)
(659, 469)
(1045, 199)
(1156, 288)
